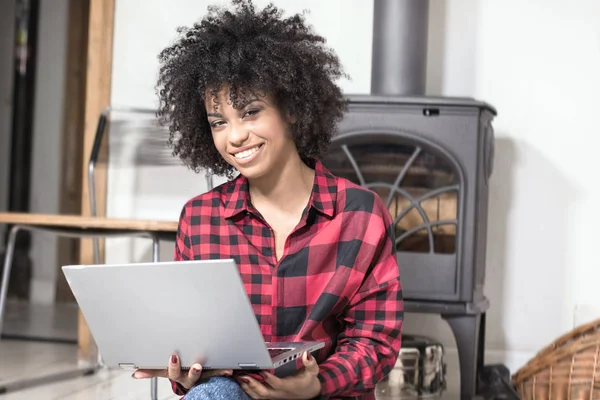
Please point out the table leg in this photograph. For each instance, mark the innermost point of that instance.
(155, 258)
(8, 259)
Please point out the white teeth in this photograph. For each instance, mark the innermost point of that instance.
(246, 153)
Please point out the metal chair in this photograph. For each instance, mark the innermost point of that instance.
(143, 156)
(87, 227)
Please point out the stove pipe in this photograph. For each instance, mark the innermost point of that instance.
(399, 57)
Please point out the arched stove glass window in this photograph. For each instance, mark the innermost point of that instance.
(421, 189)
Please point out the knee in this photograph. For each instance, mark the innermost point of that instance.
(198, 392)
(216, 388)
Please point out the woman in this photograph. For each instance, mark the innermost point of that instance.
(254, 92)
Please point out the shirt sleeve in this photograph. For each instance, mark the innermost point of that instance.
(368, 347)
(182, 239)
(182, 253)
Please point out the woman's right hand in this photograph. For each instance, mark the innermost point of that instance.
(174, 372)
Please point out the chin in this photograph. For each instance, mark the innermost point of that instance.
(253, 172)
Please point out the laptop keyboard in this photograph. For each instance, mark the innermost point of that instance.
(276, 352)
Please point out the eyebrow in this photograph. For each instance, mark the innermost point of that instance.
(251, 101)
(218, 115)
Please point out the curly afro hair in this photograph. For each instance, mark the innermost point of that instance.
(251, 52)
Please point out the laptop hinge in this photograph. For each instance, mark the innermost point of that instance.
(127, 366)
(247, 365)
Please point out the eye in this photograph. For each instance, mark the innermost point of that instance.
(216, 124)
(251, 112)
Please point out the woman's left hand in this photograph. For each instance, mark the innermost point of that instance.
(304, 384)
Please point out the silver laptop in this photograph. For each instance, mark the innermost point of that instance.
(139, 314)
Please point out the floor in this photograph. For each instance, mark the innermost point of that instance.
(27, 358)
(56, 322)
(22, 357)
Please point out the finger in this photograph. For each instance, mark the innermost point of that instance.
(310, 363)
(192, 376)
(273, 381)
(174, 368)
(149, 373)
(262, 391)
(250, 392)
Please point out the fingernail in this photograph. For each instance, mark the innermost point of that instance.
(195, 371)
(174, 359)
(244, 380)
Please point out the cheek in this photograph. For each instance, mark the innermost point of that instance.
(279, 134)
(220, 144)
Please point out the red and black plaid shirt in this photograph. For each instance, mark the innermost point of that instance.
(337, 282)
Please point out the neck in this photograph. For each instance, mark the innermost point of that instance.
(288, 188)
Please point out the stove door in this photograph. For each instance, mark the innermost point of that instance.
(422, 187)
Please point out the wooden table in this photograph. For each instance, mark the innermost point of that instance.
(79, 227)
(82, 224)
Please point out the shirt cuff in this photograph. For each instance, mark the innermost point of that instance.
(333, 379)
(178, 389)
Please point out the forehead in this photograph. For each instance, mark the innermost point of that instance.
(222, 98)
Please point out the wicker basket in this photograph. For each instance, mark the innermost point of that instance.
(569, 368)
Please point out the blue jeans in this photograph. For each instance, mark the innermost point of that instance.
(217, 388)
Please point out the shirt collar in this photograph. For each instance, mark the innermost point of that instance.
(324, 193)
(322, 199)
(237, 197)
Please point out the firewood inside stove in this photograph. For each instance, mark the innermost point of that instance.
(439, 208)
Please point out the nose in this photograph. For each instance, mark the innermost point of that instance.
(238, 135)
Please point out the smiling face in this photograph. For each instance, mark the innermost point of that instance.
(254, 139)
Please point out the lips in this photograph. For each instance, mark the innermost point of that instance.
(248, 154)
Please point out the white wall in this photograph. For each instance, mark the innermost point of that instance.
(535, 61)
(47, 141)
(7, 27)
